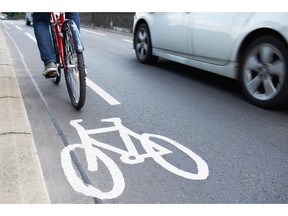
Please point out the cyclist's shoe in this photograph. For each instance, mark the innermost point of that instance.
(50, 70)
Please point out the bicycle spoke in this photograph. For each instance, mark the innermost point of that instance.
(73, 72)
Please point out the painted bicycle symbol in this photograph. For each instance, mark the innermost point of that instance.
(93, 152)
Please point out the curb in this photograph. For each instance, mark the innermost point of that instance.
(22, 180)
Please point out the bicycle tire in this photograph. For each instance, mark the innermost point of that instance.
(150, 146)
(75, 74)
(88, 189)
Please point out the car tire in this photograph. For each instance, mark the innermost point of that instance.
(263, 72)
(28, 23)
(143, 45)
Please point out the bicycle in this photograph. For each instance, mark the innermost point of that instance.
(154, 150)
(69, 49)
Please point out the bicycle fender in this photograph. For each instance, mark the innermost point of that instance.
(76, 34)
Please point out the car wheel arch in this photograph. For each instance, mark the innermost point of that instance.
(263, 97)
(253, 36)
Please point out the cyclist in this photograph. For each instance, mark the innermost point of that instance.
(41, 24)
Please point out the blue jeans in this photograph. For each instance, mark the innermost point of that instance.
(41, 24)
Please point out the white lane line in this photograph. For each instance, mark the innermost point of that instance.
(18, 27)
(5, 25)
(98, 90)
(130, 41)
(93, 32)
(107, 97)
(31, 37)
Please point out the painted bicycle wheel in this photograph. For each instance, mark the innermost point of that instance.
(175, 157)
(104, 165)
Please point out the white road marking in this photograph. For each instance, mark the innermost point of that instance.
(98, 90)
(108, 98)
(18, 27)
(5, 25)
(31, 37)
(87, 189)
(93, 32)
(91, 148)
(130, 41)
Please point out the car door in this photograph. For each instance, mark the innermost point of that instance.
(214, 35)
(170, 32)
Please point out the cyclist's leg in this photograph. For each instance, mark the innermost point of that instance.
(75, 17)
(41, 26)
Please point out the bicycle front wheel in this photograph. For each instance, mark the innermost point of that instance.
(75, 74)
(175, 157)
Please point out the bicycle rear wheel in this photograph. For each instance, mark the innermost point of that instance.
(75, 74)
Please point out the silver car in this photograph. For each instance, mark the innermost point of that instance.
(28, 18)
(249, 47)
(3, 16)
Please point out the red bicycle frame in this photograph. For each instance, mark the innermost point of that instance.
(58, 26)
(66, 38)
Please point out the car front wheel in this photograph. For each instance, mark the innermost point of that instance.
(143, 45)
(263, 72)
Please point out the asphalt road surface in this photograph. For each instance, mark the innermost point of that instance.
(194, 137)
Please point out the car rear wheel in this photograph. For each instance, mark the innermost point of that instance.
(143, 45)
(263, 72)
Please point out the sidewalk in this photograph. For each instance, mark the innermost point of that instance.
(21, 177)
